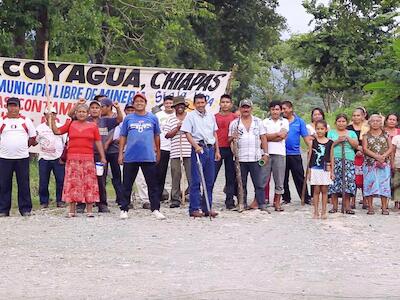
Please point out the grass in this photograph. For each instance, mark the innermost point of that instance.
(34, 183)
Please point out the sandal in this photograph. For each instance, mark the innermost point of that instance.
(365, 206)
(70, 215)
(370, 212)
(350, 212)
(385, 212)
(333, 211)
(90, 215)
(279, 209)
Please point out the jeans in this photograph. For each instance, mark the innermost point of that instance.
(256, 175)
(162, 168)
(45, 169)
(21, 169)
(230, 176)
(176, 175)
(149, 170)
(207, 159)
(294, 163)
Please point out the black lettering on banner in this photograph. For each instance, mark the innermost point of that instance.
(178, 80)
(77, 74)
(170, 80)
(7, 67)
(56, 71)
(133, 78)
(28, 71)
(110, 77)
(197, 80)
(217, 81)
(186, 82)
(96, 79)
(205, 83)
(153, 83)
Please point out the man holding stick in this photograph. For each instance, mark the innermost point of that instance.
(253, 154)
(180, 150)
(200, 128)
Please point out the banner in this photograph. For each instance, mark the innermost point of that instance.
(70, 81)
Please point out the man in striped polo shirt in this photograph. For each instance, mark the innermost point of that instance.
(180, 149)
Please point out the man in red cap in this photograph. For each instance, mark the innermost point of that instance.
(140, 133)
(17, 133)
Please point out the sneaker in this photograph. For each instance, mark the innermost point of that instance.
(174, 204)
(146, 205)
(158, 215)
(44, 205)
(3, 215)
(26, 214)
(123, 215)
(130, 205)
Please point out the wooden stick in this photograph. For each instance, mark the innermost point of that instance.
(343, 177)
(235, 151)
(182, 171)
(46, 78)
(304, 187)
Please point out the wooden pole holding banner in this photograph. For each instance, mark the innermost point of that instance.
(46, 78)
(228, 89)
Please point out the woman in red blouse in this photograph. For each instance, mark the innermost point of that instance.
(80, 184)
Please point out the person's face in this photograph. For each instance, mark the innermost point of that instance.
(391, 121)
(316, 116)
(225, 104)
(180, 109)
(341, 123)
(200, 104)
(105, 110)
(129, 110)
(321, 130)
(139, 104)
(375, 122)
(287, 111)
(82, 113)
(245, 110)
(168, 105)
(94, 110)
(13, 110)
(357, 117)
(275, 112)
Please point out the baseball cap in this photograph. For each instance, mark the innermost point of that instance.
(106, 102)
(128, 104)
(246, 102)
(139, 95)
(14, 100)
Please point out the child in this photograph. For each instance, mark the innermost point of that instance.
(320, 173)
(343, 140)
(377, 149)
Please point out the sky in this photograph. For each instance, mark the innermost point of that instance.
(296, 17)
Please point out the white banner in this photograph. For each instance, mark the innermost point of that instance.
(69, 81)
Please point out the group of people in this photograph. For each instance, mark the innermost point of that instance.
(363, 153)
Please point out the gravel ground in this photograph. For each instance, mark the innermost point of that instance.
(252, 255)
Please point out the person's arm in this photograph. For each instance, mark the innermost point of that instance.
(108, 141)
(120, 115)
(122, 143)
(309, 153)
(308, 140)
(264, 146)
(194, 144)
(275, 137)
(170, 134)
(100, 149)
(353, 141)
(332, 163)
(217, 153)
(157, 147)
(368, 152)
(389, 152)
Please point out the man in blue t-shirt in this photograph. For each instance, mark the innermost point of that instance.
(140, 133)
(294, 162)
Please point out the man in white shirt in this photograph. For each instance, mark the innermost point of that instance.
(17, 134)
(165, 144)
(51, 147)
(252, 150)
(277, 128)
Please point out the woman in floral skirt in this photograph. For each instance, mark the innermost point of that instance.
(377, 149)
